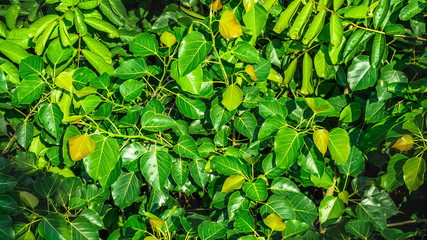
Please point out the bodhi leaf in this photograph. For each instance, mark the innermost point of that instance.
(228, 26)
(321, 139)
(413, 173)
(404, 143)
(339, 145)
(232, 97)
(274, 222)
(193, 50)
(287, 147)
(156, 166)
(80, 147)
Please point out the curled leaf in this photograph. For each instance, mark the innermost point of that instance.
(251, 72)
(80, 147)
(228, 25)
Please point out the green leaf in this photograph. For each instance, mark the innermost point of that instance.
(358, 12)
(321, 107)
(53, 226)
(354, 164)
(24, 133)
(187, 147)
(262, 70)
(330, 209)
(7, 182)
(255, 20)
(103, 160)
(237, 201)
(375, 112)
(284, 187)
(246, 124)
(219, 115)
(193, 50)
(396, 234)
(211, 230)
(257, 190)
(245, 52)
(232, 97)
(8, 205)
(198, 173)
(304, 208)
(30, 89)
(359, 228)
(279, 205)
(132, 69)
(361, 74)
(413, 173)
(413, 8)
(126, 189)
(270, 125)
(46, 186)
(144, 45)
(51, 117)
(131, 89)
(98, 62)
(90, 103)
(339, 145)
(312, 161)
(294, 228)
(180, 172)
(191, 108)
(351, 113)
(190, 82)
(287, 147)
(32, 65)
(394, 176)
(156, 166)
(228, 165)
(151, 121)
(6, 230)
(370, 209)
(244, 222)
(270, 108)
(82, 228)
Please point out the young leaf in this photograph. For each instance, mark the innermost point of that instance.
(232, 97)
(404, 143)
(339, 145)
(228, 26)
(274, 222)
(321, 139)
(80, 147)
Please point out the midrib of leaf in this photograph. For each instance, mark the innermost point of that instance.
(59, 234)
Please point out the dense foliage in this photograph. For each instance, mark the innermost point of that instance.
(201, 119)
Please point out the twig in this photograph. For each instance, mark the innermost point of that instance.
(406, 222)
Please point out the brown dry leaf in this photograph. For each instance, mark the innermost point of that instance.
(228, 26)
(251, 71)
(80, 147)
(215, 6)
(404, 143)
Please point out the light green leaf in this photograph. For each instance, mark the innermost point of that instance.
(245, 52)
(257, 190)
(132, 69)
(294, 228)
(156, 166)
(32, 65)
(219, 115)
(103, 160)
(339, 145)
(151, 121)
(144, 45)
(193, 50)
(187, 147)
(51, 117)
(228, 165)
(191, 108)
(287, 147)
(284, 187)
(351, 112)
(255, 19)
(30, 89)
(304, 208)
(131, 89)
(244, 222)
(198, 173)
(279, 205)
(246, 124)
(330, 209)
(270, 125)
(413, 173)
(354, 164)
(24, 133)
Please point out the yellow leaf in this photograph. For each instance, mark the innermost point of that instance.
(80, 147)
(215, 6)
(228, 26)
(321, 138)
(150, 238)
(233, 182)
(168, 39)
(404, 143)
(249, 4)
(156, 223)
(29, 199)
(251, 72)
(274, 222)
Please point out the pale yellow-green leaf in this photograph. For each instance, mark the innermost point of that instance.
(233, 182)
(321, 138)
(274, 222)
(65, 81)
(168, 39)
(251, 72)
(232, 97)
(29, 199)
(80, 147)
(215, 6)
(228, 26)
